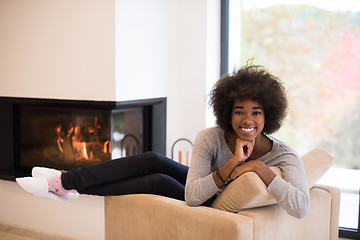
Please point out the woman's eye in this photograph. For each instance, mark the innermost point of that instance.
(238, 113)
(257, 113)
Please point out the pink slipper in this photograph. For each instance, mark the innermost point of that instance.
(38, 187)
(43, 172)
(38, 172)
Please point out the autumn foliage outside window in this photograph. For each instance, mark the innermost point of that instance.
(316, 52)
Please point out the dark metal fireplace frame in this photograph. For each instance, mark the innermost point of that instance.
(154, 126)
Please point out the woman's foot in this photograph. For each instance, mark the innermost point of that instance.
(38, 187)
(38, 172)
(53, 178)
(46, 182)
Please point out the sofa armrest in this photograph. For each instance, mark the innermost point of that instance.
(335, 208)
(145, 216)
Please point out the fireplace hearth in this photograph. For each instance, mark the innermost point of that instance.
(65, 134)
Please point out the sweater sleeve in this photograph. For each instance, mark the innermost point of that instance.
(200, 185)
(291, 191)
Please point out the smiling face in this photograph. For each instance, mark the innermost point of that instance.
(247, 119)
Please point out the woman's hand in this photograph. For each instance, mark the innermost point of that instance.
(263, 171)
(243, 150)
(241, 169)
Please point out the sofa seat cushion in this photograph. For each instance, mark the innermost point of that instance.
(147, 216)
(249, 191)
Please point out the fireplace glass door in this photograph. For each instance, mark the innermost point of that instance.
(127, 132)
(62, 137)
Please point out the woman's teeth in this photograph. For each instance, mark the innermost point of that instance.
(247, 129)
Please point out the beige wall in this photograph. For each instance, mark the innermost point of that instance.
(57, 49)
(105, 50)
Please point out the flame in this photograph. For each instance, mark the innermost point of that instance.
(83, 152)
(81, 142)
(59, 140)
(107, 147)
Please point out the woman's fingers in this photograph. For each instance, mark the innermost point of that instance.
(243, 149)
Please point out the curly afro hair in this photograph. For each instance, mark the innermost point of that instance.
(250, 82)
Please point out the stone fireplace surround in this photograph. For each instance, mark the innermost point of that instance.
(153, 125)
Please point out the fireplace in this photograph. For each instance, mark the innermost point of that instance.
(65, 134)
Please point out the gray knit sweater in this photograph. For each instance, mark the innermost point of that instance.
(211, 152)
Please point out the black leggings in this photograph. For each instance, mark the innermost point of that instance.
(148, 172)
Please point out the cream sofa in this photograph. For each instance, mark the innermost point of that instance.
(145, 216)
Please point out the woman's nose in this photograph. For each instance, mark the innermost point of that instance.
(248, 120)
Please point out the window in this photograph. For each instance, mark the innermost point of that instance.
(314, 47)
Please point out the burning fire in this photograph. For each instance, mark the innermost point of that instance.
(80, 142)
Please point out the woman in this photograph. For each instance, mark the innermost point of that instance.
(248, 104)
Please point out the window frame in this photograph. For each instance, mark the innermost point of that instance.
(224, 37)
(224, 66)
